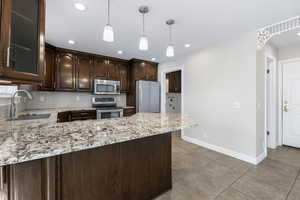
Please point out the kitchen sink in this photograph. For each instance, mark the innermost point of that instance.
(33, 116)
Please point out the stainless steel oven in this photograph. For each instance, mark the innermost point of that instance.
(107, 107)
(106, 87)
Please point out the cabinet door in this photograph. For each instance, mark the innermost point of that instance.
(49, 70)
(83, 73)
(100, 69)
(3, 183)
(139, 71)
(112, 70)
(151, 72)
(123, 70)
(22, 39)
(27, 181)
(65, 72)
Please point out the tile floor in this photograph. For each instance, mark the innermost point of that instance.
(201, 174)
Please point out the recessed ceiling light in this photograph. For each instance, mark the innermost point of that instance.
(153, 59)
(71, 42)
(80, 6)
(120, 52)
(187, 45)
(299, 33)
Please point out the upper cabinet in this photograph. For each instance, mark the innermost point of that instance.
(143, 70)
(174, 81)
(100, 69)
(65, 71)
(139, 70)
(49, 69)
(106, 69)
(22, 40)
(84, 70)
(123, 74)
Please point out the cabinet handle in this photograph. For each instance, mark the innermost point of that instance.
(7, 56)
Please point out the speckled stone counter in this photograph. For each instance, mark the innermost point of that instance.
(27, 140)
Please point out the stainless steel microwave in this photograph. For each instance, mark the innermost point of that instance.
(106, 87)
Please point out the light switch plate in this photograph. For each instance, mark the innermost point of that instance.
(236, 105)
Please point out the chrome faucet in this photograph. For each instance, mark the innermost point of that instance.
(13, 104)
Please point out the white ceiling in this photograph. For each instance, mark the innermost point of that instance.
(290, 38)
(198, 22)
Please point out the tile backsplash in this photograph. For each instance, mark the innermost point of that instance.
(5, 106)
(44, 100)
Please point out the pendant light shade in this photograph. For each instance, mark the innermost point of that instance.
(144, 44)
(108, 33)
(170, 51)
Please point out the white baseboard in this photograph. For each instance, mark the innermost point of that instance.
(234, 154)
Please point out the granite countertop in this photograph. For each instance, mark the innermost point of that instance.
(26, 140)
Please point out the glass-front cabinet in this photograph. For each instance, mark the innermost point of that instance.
(22, 40)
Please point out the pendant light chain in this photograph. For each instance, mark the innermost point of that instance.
(108, 13)
(143, 24)
(170, 34)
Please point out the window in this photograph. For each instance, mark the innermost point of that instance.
(7, 91)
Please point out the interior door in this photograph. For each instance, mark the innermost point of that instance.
(291, 104)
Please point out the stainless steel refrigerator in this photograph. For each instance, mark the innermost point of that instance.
(147, 96)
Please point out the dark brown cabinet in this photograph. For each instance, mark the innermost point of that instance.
(139, 169)
(65, 71)
(84, 69)
(49, 69)
(139, 70)
(106, 69)
(68, 70)
(22, 40)
(127, 112)
(100, 69)
(4, 183)
(174, 81)
(112, 70)
(26, 181)
(77, 115)
(123, 74)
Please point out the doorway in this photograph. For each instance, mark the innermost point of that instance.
(291, 103)
(282, 97)
(172, 86)
(173, 92)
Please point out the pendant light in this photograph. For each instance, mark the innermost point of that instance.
(170, 49)
(144, 45)
(108, 33)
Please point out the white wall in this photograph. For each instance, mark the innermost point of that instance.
(217, 80)
(289, 52)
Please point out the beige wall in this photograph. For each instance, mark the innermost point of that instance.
(216, 80)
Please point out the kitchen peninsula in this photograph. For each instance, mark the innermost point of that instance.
(121, 158)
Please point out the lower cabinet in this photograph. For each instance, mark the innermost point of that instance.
(77, 115)
(3, 183)
(136, 170)
(127, 112)
(27, 180)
